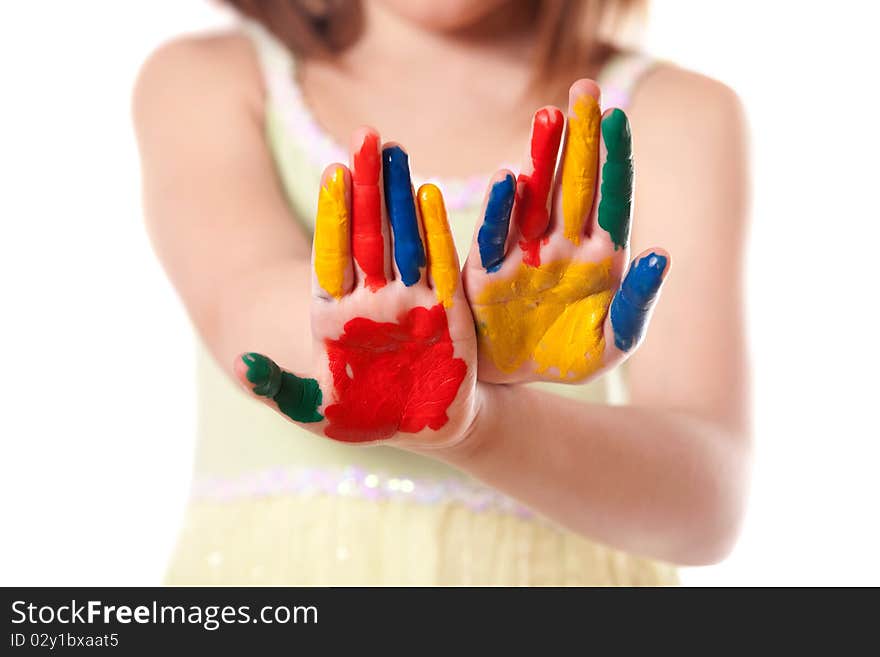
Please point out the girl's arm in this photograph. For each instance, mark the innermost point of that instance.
(666, 476)
(652, 481)
(214, 207)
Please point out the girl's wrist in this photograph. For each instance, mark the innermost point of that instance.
(479, 435)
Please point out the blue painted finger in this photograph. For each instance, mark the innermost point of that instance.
(631, 307)
(496, 220)
(409, 253)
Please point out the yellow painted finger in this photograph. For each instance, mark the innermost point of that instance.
(332, 245)
(442, 260)
(580, 165)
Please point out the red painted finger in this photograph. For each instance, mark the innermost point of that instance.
(533, 185)
(368, 242)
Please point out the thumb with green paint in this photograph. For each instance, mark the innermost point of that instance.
(298, 398)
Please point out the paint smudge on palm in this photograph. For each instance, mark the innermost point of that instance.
(496, 221)
(632, 305)
(552, 314)
(332, 254)
(392, 377)
(409, 254)
(441, 248)
(533, 190)
(368, 243)
(298, 398)
(615, 205)
(579, 166)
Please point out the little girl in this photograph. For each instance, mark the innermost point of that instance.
(602, 472)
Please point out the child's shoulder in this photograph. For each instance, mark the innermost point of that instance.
(692, 142)
(199, 68)
(670, 95)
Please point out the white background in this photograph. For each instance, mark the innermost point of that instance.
(97, 418)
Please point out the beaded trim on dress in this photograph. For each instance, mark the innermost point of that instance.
(358, 483)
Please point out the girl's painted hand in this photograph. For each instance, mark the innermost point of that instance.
(394, 343)
(545, 288)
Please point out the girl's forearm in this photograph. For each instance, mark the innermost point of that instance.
(265, 309)
(664, 484)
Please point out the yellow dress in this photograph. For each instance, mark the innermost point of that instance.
(274, 504)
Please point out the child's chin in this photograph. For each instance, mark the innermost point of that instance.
(446, 16)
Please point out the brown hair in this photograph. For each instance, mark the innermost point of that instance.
(568, 31)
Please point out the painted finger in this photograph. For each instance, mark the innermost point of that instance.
(370, 237)
(580, 158)
(298, 398)
(614, 215)
(443, 269)
(409, 254)
(634, 302)
(532, 207)
(490, 241)
(331, 252)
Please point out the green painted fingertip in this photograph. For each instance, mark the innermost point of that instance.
(616, 134)
(263, 373)
(299, 399)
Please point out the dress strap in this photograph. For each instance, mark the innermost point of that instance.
(621, 75)
(277, 63)
(284, 98)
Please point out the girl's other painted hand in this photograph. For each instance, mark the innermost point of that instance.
(547, 289)
(394, 344)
